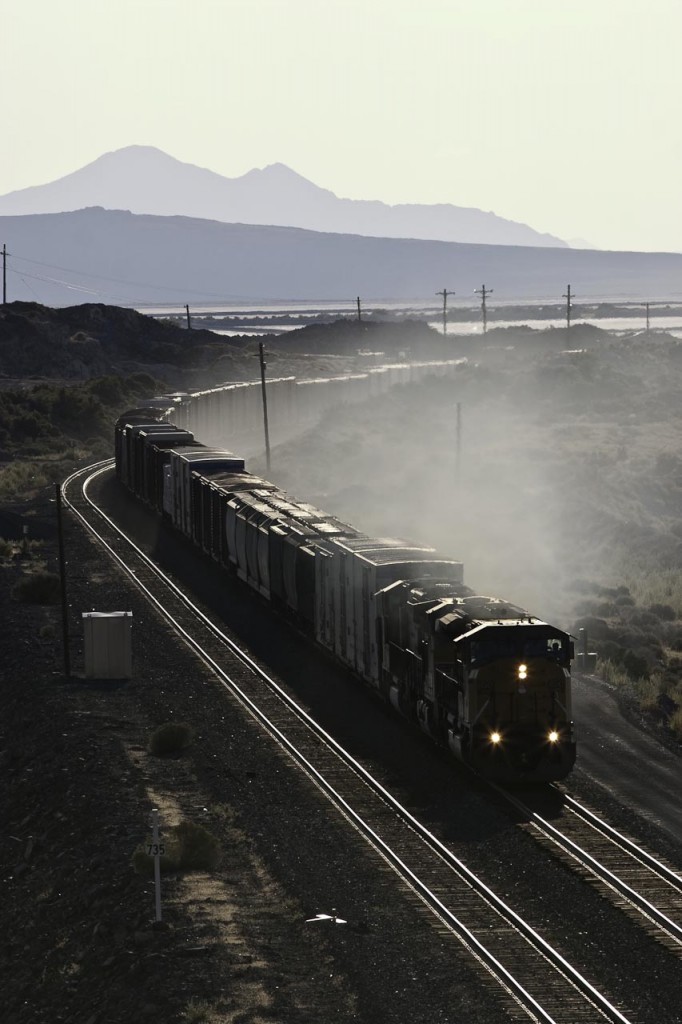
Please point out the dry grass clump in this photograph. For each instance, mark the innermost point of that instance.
(658, 694)
(23, 548)
(197, 1011)
(660, 588)
(189, 847)
(171, 739)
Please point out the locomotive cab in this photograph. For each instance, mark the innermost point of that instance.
(516, 718)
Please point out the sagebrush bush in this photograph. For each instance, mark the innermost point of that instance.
(197, 848)
(171, 738)
(198, 1011)
(189, 847)
(38, 588)
(663, 611)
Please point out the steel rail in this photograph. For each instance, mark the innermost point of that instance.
(503, 976)
(587, 860)
(656, 866)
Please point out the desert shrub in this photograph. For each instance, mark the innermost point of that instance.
(597, 629)
(676, 724)
(189, 847)
(47, 632)
(660, 587)
(30, 424)
(609, 650)
(198, 1011)
(594, 607)
(644, 619)
(5, 548)
(171, 738)
(21, 478)
(649, 694)
(665, 612)
(108, 390)
(197, 849)
(671, 635)
(631, 634)
(611, 673)
(38, 588)
(635, 665)
(142, 384)
(673, 670)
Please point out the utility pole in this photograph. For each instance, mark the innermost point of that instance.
(4, 274)
(189, 322)
(359, 309)
(266, 428)
(62, 582)
(445, 294)
(483, 291)
(647, 318)
(567, 296)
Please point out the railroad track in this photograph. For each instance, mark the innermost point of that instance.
(536, 976)
(640, 883)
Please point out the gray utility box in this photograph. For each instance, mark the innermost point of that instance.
(108, 645)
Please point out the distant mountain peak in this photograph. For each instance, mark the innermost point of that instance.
(144, 179)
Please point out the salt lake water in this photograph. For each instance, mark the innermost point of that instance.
(266, 319)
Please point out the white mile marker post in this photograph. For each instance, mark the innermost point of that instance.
(156, 850)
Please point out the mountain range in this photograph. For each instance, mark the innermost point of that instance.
(145, 180)
(113, 256)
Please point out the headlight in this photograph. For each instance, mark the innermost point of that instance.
(553, 736)
(523, 671)
(495, 738)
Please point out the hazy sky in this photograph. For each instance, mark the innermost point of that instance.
(563, 114)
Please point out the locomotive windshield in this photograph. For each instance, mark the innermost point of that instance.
(517, 642)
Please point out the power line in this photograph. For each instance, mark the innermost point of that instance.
(56, 280)
(116, 280)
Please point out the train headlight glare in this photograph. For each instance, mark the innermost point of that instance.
(495, 738)
(523, 671)
(553, 736)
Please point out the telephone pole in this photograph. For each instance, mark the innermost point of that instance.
(647, 318)
(445, 294)
(567, 296)
(4, 274)
(359, 309)
(483, 291)
(62, 584)
(266, 427)
(189, 322)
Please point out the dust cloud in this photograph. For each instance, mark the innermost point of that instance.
(565, 466)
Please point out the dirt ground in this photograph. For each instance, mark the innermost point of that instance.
(236, 944)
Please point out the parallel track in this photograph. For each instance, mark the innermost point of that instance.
(642, 884)
(537, 976)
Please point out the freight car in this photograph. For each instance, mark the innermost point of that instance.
(481, 676)
(234, 409)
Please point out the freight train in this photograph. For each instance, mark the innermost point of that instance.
(479, 675)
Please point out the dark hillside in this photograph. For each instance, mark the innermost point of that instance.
(94, 340)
